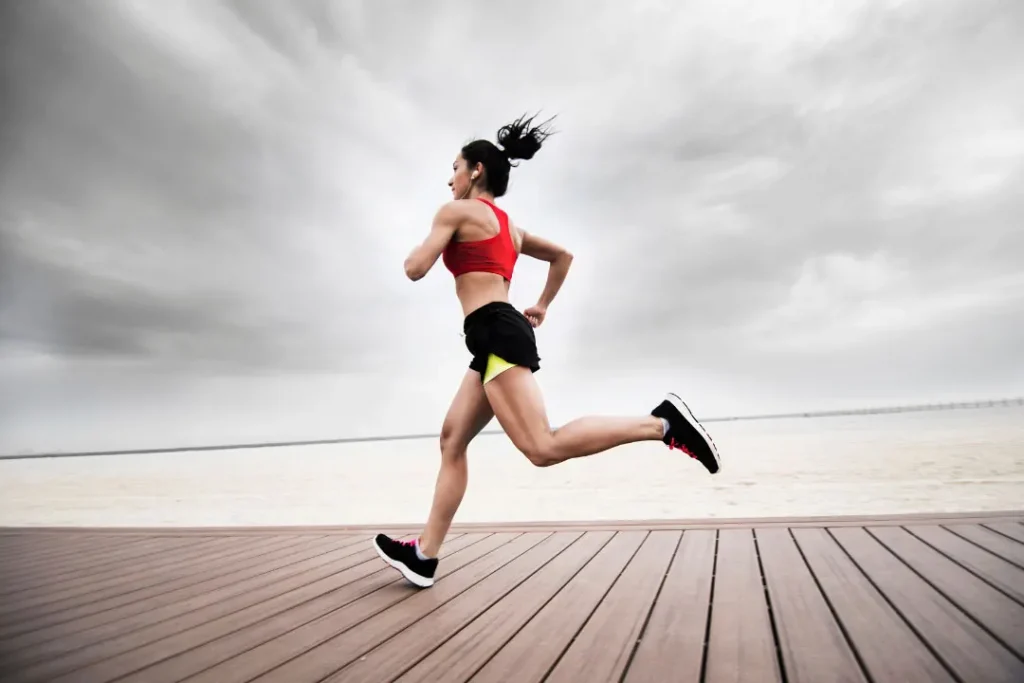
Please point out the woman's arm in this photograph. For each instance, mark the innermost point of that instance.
(423, 257)
(559, 259)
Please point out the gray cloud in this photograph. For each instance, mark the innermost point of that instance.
(795, 195)
(152, 214)
(875, 167)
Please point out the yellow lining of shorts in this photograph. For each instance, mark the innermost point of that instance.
(495, 366)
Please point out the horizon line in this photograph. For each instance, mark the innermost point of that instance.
(840, 412)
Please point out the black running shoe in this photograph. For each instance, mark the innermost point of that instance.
(686, 434)
(402, 556)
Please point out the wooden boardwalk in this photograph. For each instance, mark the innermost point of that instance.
(821, 600)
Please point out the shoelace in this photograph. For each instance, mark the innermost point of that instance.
(672, 443)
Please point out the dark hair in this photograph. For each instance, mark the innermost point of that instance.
(518, 140)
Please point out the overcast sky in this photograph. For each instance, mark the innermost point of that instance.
(205, 205)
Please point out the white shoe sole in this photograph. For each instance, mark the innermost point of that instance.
(421, 581)
(682, 408)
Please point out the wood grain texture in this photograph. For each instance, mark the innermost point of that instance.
(922, 598)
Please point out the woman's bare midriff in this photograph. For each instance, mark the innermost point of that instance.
(476, 289)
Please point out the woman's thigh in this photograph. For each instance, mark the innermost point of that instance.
(516, 400)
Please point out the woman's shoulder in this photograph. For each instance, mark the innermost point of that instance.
(451, 213)
(460, 210)
(459, 207)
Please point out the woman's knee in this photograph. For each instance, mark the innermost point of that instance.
(452, 442)
(539, 451)
(540, 459)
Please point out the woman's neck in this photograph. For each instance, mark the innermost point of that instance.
(480, 194)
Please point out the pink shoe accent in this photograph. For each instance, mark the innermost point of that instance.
(673, 444)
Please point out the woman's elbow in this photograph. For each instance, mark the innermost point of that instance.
(413, 271)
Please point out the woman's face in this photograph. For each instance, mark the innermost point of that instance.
(461, 180)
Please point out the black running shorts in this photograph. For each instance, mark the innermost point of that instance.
(498, 329)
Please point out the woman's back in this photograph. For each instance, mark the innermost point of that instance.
(482, 253)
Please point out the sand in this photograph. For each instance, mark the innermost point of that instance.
(950, 461)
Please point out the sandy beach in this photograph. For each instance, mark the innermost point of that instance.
(949, 461)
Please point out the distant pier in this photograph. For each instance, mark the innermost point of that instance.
(879, 410)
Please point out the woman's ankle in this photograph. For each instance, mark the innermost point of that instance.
(427, 550)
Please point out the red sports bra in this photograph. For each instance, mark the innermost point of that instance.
(493, 255)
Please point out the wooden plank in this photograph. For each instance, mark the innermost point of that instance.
(463, 652)
(537, 646)
(51, 576)
(1012, 530)
(231, 613)
(992, 541)
(136, 606)
(64, 605)
(234, 531)
(102, 642)
(399, 650)
(227, 617)
(91, 581)
(812, 644)
(320, 661)
(93, 577)
(602, 650)
(888, 648)
(22, 547)
(43, 545)
(936, 603)
(39, 550)
(89, 594)
(674, 637)
(94, 556)
(10, 538)
(1007, 577)
(741, 646)
(195, 650)
(137, 594)
(1001, 616)
(59, 575)
(967, 649)
(467, 564)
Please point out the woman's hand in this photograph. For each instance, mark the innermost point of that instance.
(535, 314)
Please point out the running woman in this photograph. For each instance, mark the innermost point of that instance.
(480, 246)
